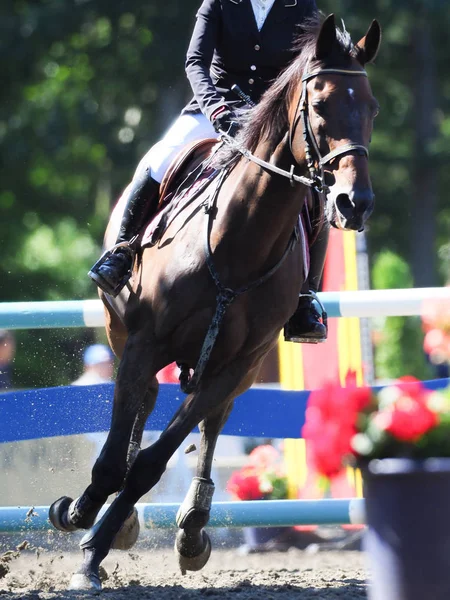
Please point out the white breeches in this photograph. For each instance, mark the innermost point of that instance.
(187, 128)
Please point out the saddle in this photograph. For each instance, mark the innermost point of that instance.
(185, 178)
(182, 169)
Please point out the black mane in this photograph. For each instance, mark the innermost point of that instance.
(269, 118)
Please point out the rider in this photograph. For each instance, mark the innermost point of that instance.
(243, 42)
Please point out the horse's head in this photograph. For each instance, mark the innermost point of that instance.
(331, 122)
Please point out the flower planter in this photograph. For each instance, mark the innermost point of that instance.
(259, 538)
(408, 536)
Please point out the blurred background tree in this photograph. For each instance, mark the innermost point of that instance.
(399, 340)
(89, 85)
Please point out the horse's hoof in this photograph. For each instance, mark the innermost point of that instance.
(194, 563)
(82, 582)
(128, 534)
(59, 514)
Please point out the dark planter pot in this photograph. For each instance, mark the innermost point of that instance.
(408, 536)
(258, 537)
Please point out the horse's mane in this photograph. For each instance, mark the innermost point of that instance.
(269, 118)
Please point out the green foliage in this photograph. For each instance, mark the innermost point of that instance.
(50, 357)
(86, 88)
(405, 148)
(399, 350)
(277, 484)
(95, 81)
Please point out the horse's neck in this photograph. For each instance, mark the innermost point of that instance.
(268, 202)
(257, 214)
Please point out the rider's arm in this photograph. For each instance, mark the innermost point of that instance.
(310, 8)
(200, 54)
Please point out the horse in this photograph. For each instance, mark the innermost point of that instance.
(215, 291)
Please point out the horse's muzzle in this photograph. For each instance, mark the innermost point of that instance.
(353, 208)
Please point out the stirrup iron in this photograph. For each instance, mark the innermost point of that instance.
(324, 314)
(102, 283)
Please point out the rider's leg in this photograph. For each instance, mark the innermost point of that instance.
(306, 325)
(142, 194)
(112, 273)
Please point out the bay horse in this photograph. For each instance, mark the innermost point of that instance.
(216, 290)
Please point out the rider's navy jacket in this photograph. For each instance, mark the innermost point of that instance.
(226, 48)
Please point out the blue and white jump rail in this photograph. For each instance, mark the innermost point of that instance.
(89, 313)
(255, 513)
(258, 412)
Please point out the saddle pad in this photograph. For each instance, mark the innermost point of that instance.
(184, 163)
(178, 203)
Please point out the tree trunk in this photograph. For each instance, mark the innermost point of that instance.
(425, 168)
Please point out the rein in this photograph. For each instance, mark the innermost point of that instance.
(224, 297)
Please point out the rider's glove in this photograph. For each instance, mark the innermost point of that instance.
(224, 121)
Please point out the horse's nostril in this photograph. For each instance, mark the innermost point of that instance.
(330, 179)
(344, 205)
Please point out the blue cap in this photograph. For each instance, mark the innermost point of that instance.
(97, 353)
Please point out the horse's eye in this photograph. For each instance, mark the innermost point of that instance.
(375, 110)
(320, 107)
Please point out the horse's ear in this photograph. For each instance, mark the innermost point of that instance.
(367, 47)
(326, 39)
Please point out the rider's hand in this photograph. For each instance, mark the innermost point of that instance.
(224, 121)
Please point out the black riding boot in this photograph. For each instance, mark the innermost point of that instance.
(306, 324)
(113, 270)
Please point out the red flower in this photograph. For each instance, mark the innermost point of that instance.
(408, 419)
(412, 387)
(244, 484)
(406, 410)
(327, 445)
(330, 423)
(264, 457)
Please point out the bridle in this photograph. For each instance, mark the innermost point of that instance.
(316, 179)
(302, 114)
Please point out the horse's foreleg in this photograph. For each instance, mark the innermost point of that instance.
(148, 468)
(110, 469)
(129, 532)
(192, 544)
(144, 411)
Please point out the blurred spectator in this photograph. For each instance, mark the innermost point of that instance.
(98, 367)
(7, 352)
(98, 361)
(436, 344)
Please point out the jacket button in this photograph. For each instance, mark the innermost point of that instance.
(251, 81)
(257, 47)
(253, 68)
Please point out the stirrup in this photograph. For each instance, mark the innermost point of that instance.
(304, 338)
(102, 283)
(324, 314)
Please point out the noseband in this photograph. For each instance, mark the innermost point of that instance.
(311, 146)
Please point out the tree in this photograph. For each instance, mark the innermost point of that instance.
(409, 147)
